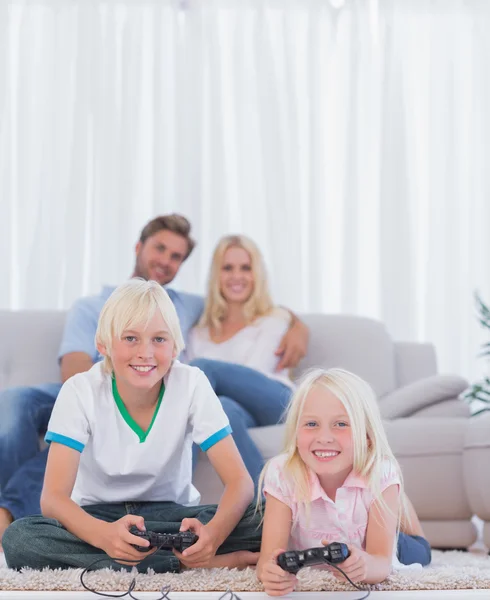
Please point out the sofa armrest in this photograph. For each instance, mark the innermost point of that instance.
(452, 408)
(408, 400)
(476, 471)
(414, 361)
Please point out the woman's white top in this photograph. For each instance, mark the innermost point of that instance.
(253, 346)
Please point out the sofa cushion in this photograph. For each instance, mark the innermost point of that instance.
(31, 355)
(420, 394)
(430, 453)
(357, 344)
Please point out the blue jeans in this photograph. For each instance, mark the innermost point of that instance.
(38, 542)
(25, 413)
(249, 399)
(413, 549)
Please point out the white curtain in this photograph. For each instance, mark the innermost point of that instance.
(348, 138)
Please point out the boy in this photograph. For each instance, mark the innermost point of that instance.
(120, 456)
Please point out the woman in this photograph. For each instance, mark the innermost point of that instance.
(235, 344)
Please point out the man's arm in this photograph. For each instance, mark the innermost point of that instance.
(73, 363)
(294, 344)
(77, 352)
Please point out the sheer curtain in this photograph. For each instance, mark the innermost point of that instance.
(348, 138)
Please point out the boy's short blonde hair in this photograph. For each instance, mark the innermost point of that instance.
(135, 303)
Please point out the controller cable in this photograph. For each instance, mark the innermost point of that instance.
(166, 589)
(358, 587)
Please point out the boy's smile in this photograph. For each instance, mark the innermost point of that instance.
(141, 358)
(143, 369)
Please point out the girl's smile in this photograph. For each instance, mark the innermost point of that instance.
(325, 455)
(324, 437)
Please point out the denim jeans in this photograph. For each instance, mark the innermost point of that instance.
(38, 542)
(413, 549)
(249, 399)
(25, 413)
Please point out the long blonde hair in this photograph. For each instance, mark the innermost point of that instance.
(259, 303)
(371, 447)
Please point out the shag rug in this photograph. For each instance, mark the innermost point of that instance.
(449, 570)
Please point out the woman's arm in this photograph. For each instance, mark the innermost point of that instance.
(374, 564)
(275, 538)
(238, 493)
(294, 344)
(113, 538)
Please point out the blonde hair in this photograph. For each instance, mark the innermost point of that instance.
(259, 303)
(370, 443)
(135, 303)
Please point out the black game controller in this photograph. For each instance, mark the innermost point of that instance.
(165, 541)
(294, 560)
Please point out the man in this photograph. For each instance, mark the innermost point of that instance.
(164, 244)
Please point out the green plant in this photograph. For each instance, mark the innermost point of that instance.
(480, 392)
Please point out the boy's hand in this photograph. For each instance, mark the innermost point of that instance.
(356, 566)
(199, 554)
(115, 539)
(275, 580)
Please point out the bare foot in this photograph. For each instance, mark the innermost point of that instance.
(235, 560)
(5, 519)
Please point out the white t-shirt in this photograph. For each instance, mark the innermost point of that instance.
(253, 346)
(119, 462)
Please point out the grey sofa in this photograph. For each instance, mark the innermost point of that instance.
(428, 426)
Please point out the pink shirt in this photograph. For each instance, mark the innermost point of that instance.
(344, 520)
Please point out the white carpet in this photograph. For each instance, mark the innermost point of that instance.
(449, 570)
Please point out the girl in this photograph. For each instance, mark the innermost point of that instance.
(236, 342)
(337, 480)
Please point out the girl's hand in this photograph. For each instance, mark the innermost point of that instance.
(275, 580)
(115, 539)
(356, 566)
(199, 554)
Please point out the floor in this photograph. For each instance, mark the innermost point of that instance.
(406, 595)
(410, 595)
